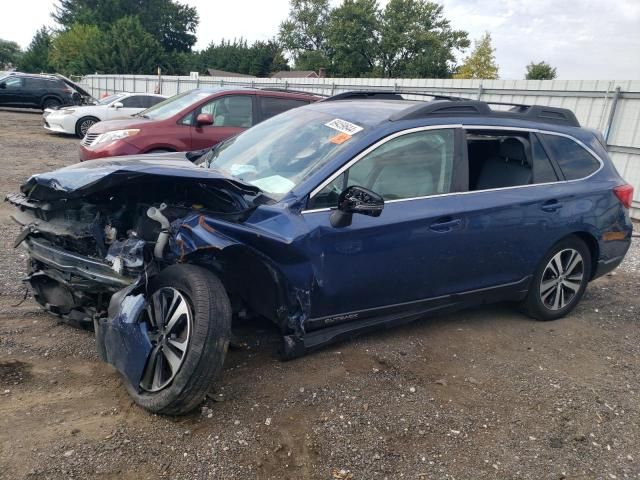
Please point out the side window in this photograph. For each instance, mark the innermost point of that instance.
(230, 111)
(271, 106)
(499, 159)
(574, 161)
(135, 101)
(412, 165)
(14, 82)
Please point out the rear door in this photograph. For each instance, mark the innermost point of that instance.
(232, 114)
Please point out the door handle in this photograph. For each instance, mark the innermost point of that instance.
(446, 225)
(551, 206)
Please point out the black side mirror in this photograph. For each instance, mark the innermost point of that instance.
(3, 85)
(356, 199)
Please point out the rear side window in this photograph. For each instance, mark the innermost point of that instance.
(271, 106)
(136, 101)
(574, 161)
(503, 159)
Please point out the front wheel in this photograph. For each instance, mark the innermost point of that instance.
(84, 124)
(560, 280)
(188, 320)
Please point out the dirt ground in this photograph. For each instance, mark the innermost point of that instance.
(481, 394)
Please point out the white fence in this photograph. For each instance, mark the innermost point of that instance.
(611, 106)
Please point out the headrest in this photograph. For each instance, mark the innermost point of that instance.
(515, 149)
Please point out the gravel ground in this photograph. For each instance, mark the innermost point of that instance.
(481, 394)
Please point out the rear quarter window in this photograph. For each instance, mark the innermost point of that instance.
(573, 159)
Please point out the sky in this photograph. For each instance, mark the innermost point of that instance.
(583, 39)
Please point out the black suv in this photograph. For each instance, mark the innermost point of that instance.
(37, 91)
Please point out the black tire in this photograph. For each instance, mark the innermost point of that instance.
(207, 345)
(555, 298)
(51, 103)
(84, 124)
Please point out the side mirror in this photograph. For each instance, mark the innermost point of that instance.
(3, 85)
(204, 119)
(356, 199)
(117, 105)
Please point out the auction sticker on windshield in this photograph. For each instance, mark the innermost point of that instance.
(344, 126)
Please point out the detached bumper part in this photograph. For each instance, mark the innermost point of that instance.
(121, 339)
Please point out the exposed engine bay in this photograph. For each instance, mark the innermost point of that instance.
(83, 248)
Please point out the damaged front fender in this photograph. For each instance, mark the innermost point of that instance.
(121, 338)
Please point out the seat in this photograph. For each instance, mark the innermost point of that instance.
(405, 177)
(510, 168)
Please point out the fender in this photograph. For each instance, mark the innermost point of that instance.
(269, 293)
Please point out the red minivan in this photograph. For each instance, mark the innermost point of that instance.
(191, 120)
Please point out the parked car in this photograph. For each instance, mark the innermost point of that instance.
(358, 212)
(78, 119)
(40, 91)
(192, 120)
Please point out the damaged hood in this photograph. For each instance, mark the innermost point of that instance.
(89, 177)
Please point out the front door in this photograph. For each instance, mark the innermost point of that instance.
(13, 91)
(232, 114)
(409, 253)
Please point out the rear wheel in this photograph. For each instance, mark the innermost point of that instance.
(560, 280)
(51, 103)
(84, 124)
(188, 324)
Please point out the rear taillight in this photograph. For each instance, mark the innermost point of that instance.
(624, 194)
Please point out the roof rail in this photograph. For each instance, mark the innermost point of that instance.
(535, 113)
(387, 95)
(288, 90)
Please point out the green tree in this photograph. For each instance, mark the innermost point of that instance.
(540, 71)
(128, 49)
(259, 59)
(36, 58)
(416, 40)
(481, 63)
(352, 34)
(303, 34)
(10, 53)
(171, 23)
(78, 50)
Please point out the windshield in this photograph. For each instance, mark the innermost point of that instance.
(169, 107)
(279, 153)
(110, 99)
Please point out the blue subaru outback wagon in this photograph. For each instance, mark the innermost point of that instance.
(361, 211)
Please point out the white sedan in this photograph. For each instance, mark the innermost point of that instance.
(78, 119)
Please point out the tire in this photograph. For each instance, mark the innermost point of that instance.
(207, 320)
(84, 124)
(553, 295)
(51, 103)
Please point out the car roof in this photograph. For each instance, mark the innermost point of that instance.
(374, 107)
(258, 91)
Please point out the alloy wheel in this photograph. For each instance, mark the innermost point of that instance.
(562, 279)
(85, 126)
(169, 324)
